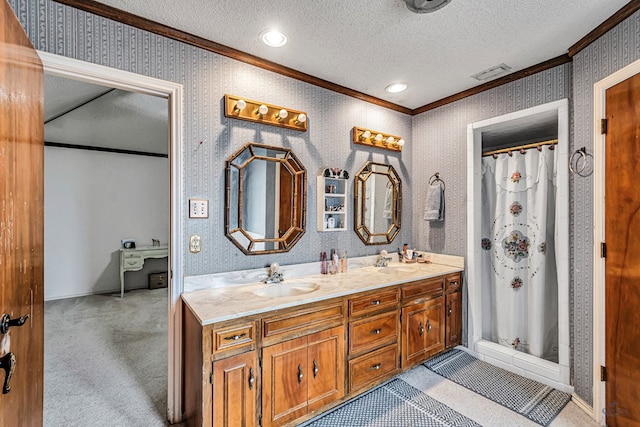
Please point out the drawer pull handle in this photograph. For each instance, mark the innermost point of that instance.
(454, 283)
(421, 328)
(235, 337)
(376, 331)
(376, 302)
(428, 326)
(300, 374)
(251, 378)
(449, 310)
(134, 262)
(375, 367)
(315, 368)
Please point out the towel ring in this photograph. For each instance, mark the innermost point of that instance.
(436, 178)
(580, 157)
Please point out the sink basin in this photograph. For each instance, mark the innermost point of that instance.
(397, 269)
(286, 289)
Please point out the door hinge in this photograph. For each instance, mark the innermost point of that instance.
(603, 373)
(603, 250)
(260, 362)
(603, 126)
(211, 377)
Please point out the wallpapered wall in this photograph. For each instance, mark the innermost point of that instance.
(439, 137)
(210, 138)
(611, 52)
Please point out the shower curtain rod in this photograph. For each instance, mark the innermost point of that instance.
(520, 147)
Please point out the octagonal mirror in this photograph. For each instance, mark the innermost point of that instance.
(265, 205)
(378, 203)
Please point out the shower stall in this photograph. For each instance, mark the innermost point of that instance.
(518, 242)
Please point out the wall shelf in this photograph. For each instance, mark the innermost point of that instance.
(332, 203)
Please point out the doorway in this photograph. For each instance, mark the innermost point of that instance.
(615, 278)
(59, 66)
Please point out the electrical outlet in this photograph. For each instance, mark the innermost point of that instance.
(195, 244)
(198, 208)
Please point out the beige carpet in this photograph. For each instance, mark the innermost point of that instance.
(106, 360)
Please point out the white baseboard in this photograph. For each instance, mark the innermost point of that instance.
(583, 405)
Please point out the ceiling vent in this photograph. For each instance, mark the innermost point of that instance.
(492, 72)
(425, 6)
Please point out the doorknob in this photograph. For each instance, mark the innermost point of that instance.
(6, 322)
(8, 363)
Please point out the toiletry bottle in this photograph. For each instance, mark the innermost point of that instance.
(323, 263)
(333, 266)
(343, 262)
(331, 222)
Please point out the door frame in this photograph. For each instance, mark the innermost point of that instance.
(70, 68)
(599, 194)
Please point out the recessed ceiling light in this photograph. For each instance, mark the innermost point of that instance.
(396, 87)
(273, 38)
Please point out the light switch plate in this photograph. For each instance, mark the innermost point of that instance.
(198, 208)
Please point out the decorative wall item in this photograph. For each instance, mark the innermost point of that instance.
(374, 138)
(255, 111)
(332, 200)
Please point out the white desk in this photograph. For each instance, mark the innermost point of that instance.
(133, 259)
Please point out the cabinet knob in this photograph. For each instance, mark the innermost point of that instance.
(376, 302)
(251, 378)
(235, 337)
(421, 328)
(315, 368)
(300, 374)
(428, 326)
(376, 331)
(375, 367)
(449, 310)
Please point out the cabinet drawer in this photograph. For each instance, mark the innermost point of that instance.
(374, 302)
(373, 367)
(452, 282)
(373, 332)
(132, 262)
(422, 288)
(131, 255)
(234, 337)
(308, 320)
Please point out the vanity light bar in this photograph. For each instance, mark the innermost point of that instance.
(236, 107)
(373, 138)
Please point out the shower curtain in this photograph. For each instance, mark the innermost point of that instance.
(518, 251)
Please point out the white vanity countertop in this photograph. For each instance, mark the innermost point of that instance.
(217, 304)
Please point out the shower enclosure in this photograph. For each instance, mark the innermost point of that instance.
(517, 249)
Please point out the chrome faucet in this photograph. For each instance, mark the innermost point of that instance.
(383, 260)
(275, 276)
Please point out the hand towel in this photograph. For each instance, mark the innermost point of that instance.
(434, 203)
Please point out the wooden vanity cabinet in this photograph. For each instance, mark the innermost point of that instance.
(453, 307)
(302, 375)
(235, 390)
(423, 320)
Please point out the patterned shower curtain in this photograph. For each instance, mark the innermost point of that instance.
(518, 258)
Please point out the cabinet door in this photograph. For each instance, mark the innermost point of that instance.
(453, 302)
(422, 331)
(234, 391)
(326, 367)
(284, 382)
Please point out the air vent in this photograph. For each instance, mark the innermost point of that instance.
(492, 72)
(425, 6)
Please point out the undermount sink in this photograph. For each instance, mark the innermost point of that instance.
(393, 269)
(286, 289)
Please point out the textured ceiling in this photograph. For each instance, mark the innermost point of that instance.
(365, 45)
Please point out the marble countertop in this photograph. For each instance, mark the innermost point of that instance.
(220, 303)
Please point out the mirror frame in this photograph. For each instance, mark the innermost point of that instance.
(292, 235)
(360, 180)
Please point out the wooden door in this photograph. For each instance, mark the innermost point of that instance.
(234, 391)
(21, 222)
(326, 367)
(434, 326)
(622, 268)
(285, 380)
(453, 304)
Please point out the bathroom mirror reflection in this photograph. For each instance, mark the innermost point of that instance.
(265, 206)
(378, 203)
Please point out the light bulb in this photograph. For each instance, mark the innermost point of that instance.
(240, 105)
(300, 118)
(400, 143)
(366, 134)
(389, 140)
(262, 110)
(378, 137)
(273, 38)
(281, 115)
